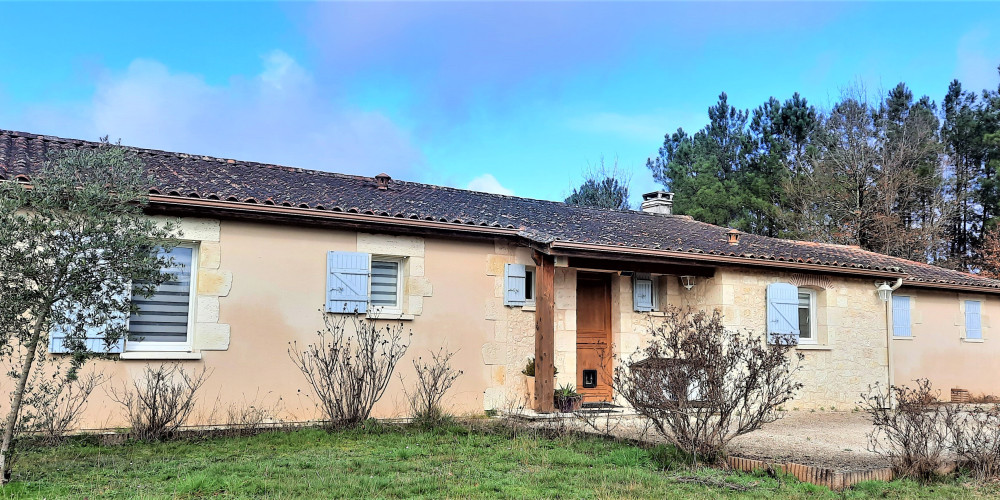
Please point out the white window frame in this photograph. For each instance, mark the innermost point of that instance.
(397, 310)
(813, 327)
(654, 288)
(186, 345)
(529, 286)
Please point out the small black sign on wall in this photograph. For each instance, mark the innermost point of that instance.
(589, 379)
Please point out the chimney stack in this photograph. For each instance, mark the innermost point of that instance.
(382, 181)
(658, 202)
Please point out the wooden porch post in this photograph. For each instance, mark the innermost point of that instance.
(545, 338)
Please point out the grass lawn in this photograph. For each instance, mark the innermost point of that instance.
(392, 462)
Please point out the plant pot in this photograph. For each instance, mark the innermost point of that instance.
(529, 391)
(568, 404)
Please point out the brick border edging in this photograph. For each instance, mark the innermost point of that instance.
(821, 476)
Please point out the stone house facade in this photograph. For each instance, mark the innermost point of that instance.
(499, 279)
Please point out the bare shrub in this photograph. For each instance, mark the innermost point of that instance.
(53, 405)
(250, 415)
(701, 385)
(434, 378)
(349, 372)
(161, 401)
(976, 435)
(912, 430)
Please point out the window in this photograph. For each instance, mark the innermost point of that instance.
(645, 292)
(163, 320)
(386, 285)
(807, 316)
(973, 320)
(529, 286)
(901, 316)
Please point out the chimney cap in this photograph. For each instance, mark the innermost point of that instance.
(733, 235)
(382, 180)
(653, 195)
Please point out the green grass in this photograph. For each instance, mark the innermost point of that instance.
(380, 462)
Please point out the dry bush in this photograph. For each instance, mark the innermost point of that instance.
(251, 415)
(701, 385)
(434, 378)
(53, 405)
(349, 372)
(912, 429)
(976, 440)
(161, 401)
(984, 398)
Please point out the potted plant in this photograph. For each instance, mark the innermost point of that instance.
(529, 380)
(567, 400)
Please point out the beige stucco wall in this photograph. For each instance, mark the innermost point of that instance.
(938, 350)
(263, 287)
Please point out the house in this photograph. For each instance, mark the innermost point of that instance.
(499, 279)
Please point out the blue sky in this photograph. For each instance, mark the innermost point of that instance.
(508, 97)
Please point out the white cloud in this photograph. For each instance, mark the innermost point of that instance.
(489, 184)
(278, 116)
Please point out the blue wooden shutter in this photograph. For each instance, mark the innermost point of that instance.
(642, 292)
(514, 283)
(347, 282)
(900, 316)
(94, 339)
(782, 311)
(973, 320)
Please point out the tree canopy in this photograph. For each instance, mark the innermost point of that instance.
(890, 173)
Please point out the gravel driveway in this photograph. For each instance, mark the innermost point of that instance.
(835, 440)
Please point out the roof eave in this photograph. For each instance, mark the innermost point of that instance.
(951, 287)
(244, 210)
(729, 259)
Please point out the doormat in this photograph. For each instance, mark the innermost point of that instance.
(835, 480)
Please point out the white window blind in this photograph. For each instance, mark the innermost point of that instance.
(164, 316)
(385, 284)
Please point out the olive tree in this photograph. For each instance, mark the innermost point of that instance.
(74, 246)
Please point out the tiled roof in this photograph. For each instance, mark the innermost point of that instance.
(193, 176)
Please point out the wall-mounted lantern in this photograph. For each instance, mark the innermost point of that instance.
(885, 291)
(687, 281)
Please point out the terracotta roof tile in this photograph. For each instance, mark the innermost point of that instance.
(194, 176)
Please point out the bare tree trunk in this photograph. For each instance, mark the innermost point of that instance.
(15, 404)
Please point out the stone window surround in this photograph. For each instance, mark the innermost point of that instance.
(212, 283)
(409, 250)
(984, 319)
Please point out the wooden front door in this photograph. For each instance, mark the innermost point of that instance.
(593, 336)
